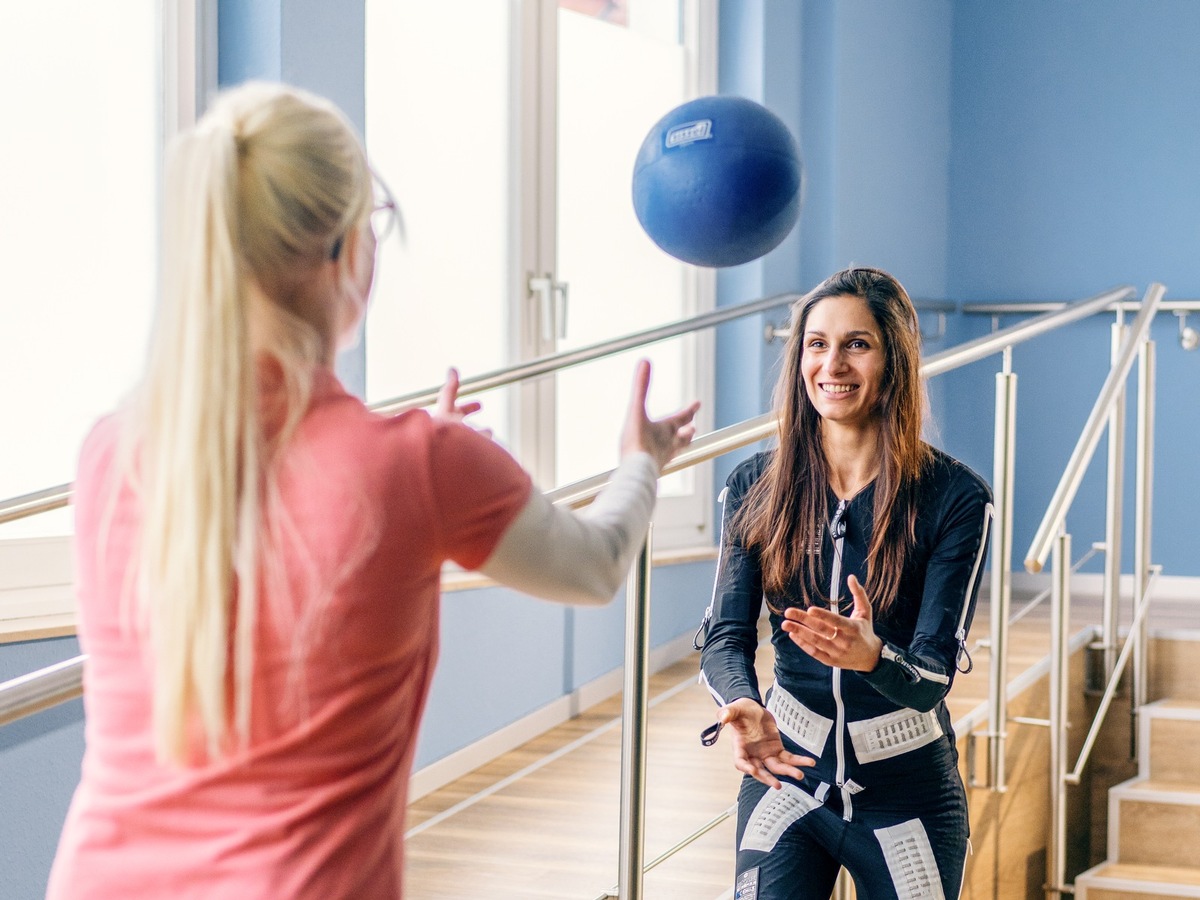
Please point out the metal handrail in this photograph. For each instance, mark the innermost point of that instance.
(1024, 307)
(938, 363)
(706, 447)
(614, 893)
(733, 437)
(1081, 457)
(1038, 599)
(565, 359)
(997, 341)
(59, 496)
(31, 693)
(1128, 342)
(1110, 690)
(42, 501)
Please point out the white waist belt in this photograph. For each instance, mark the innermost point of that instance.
(890, 735)
(807, 728)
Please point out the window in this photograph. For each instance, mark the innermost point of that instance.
(88, 101)
(508, 133)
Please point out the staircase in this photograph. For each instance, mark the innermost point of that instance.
(1154, 818)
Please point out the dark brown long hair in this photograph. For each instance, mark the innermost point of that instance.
(783, 514)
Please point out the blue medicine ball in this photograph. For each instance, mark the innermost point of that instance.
(717, 181)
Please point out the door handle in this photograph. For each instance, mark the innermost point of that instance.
(553, 296)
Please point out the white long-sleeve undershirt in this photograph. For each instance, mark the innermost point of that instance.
(578, 557)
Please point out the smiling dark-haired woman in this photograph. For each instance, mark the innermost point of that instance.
(867, 545)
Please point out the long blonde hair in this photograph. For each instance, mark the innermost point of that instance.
(785, 509)
(258, 195)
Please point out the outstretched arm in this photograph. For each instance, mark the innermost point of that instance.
(583, 557)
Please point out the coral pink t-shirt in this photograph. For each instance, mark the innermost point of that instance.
(346, 644)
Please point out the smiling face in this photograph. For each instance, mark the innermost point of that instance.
(843, 360)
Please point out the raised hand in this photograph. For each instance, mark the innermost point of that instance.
(847, 642)
(758, 750)
(661, 438)
(449, 409)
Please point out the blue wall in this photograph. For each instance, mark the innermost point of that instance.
(1023, 150)
(878, 137)
(312, 44)
(1075, 135)
(1073, 170)
(39, 768)
(504, 656)
(875, 89)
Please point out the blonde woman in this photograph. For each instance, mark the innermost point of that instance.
(259, 555)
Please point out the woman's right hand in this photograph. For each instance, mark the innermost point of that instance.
(449, 409)
(758, 749)
(661, 438)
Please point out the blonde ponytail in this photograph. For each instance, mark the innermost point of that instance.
(255, 198)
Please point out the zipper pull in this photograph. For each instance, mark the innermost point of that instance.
(837, 527)
(961, 637)
(702, 632)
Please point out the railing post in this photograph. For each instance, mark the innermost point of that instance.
(633, 728)
(1001, 588)
(1060, 615)
(1144, 490)
(1111, 613)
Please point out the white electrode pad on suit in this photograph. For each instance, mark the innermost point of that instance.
(775, 812)
(910, 861)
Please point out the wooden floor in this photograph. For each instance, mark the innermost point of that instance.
(543, 821)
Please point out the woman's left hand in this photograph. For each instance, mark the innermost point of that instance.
(847, 642)
(448, 408)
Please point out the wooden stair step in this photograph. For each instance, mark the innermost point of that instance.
(1154, 822)
(1170, 733)
(1173, 663)
(1134, 881)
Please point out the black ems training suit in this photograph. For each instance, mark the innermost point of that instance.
(884, 799)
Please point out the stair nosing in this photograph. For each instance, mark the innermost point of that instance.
(1190, 713)
(1135, 789)
(1093, 878)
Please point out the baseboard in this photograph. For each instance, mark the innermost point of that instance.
(455, 765)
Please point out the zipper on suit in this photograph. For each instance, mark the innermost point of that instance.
(701, 634)
(837, 531)
(960, 633)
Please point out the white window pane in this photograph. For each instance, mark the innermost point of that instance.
(437, 95)
(78, 185)
(615, 82)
